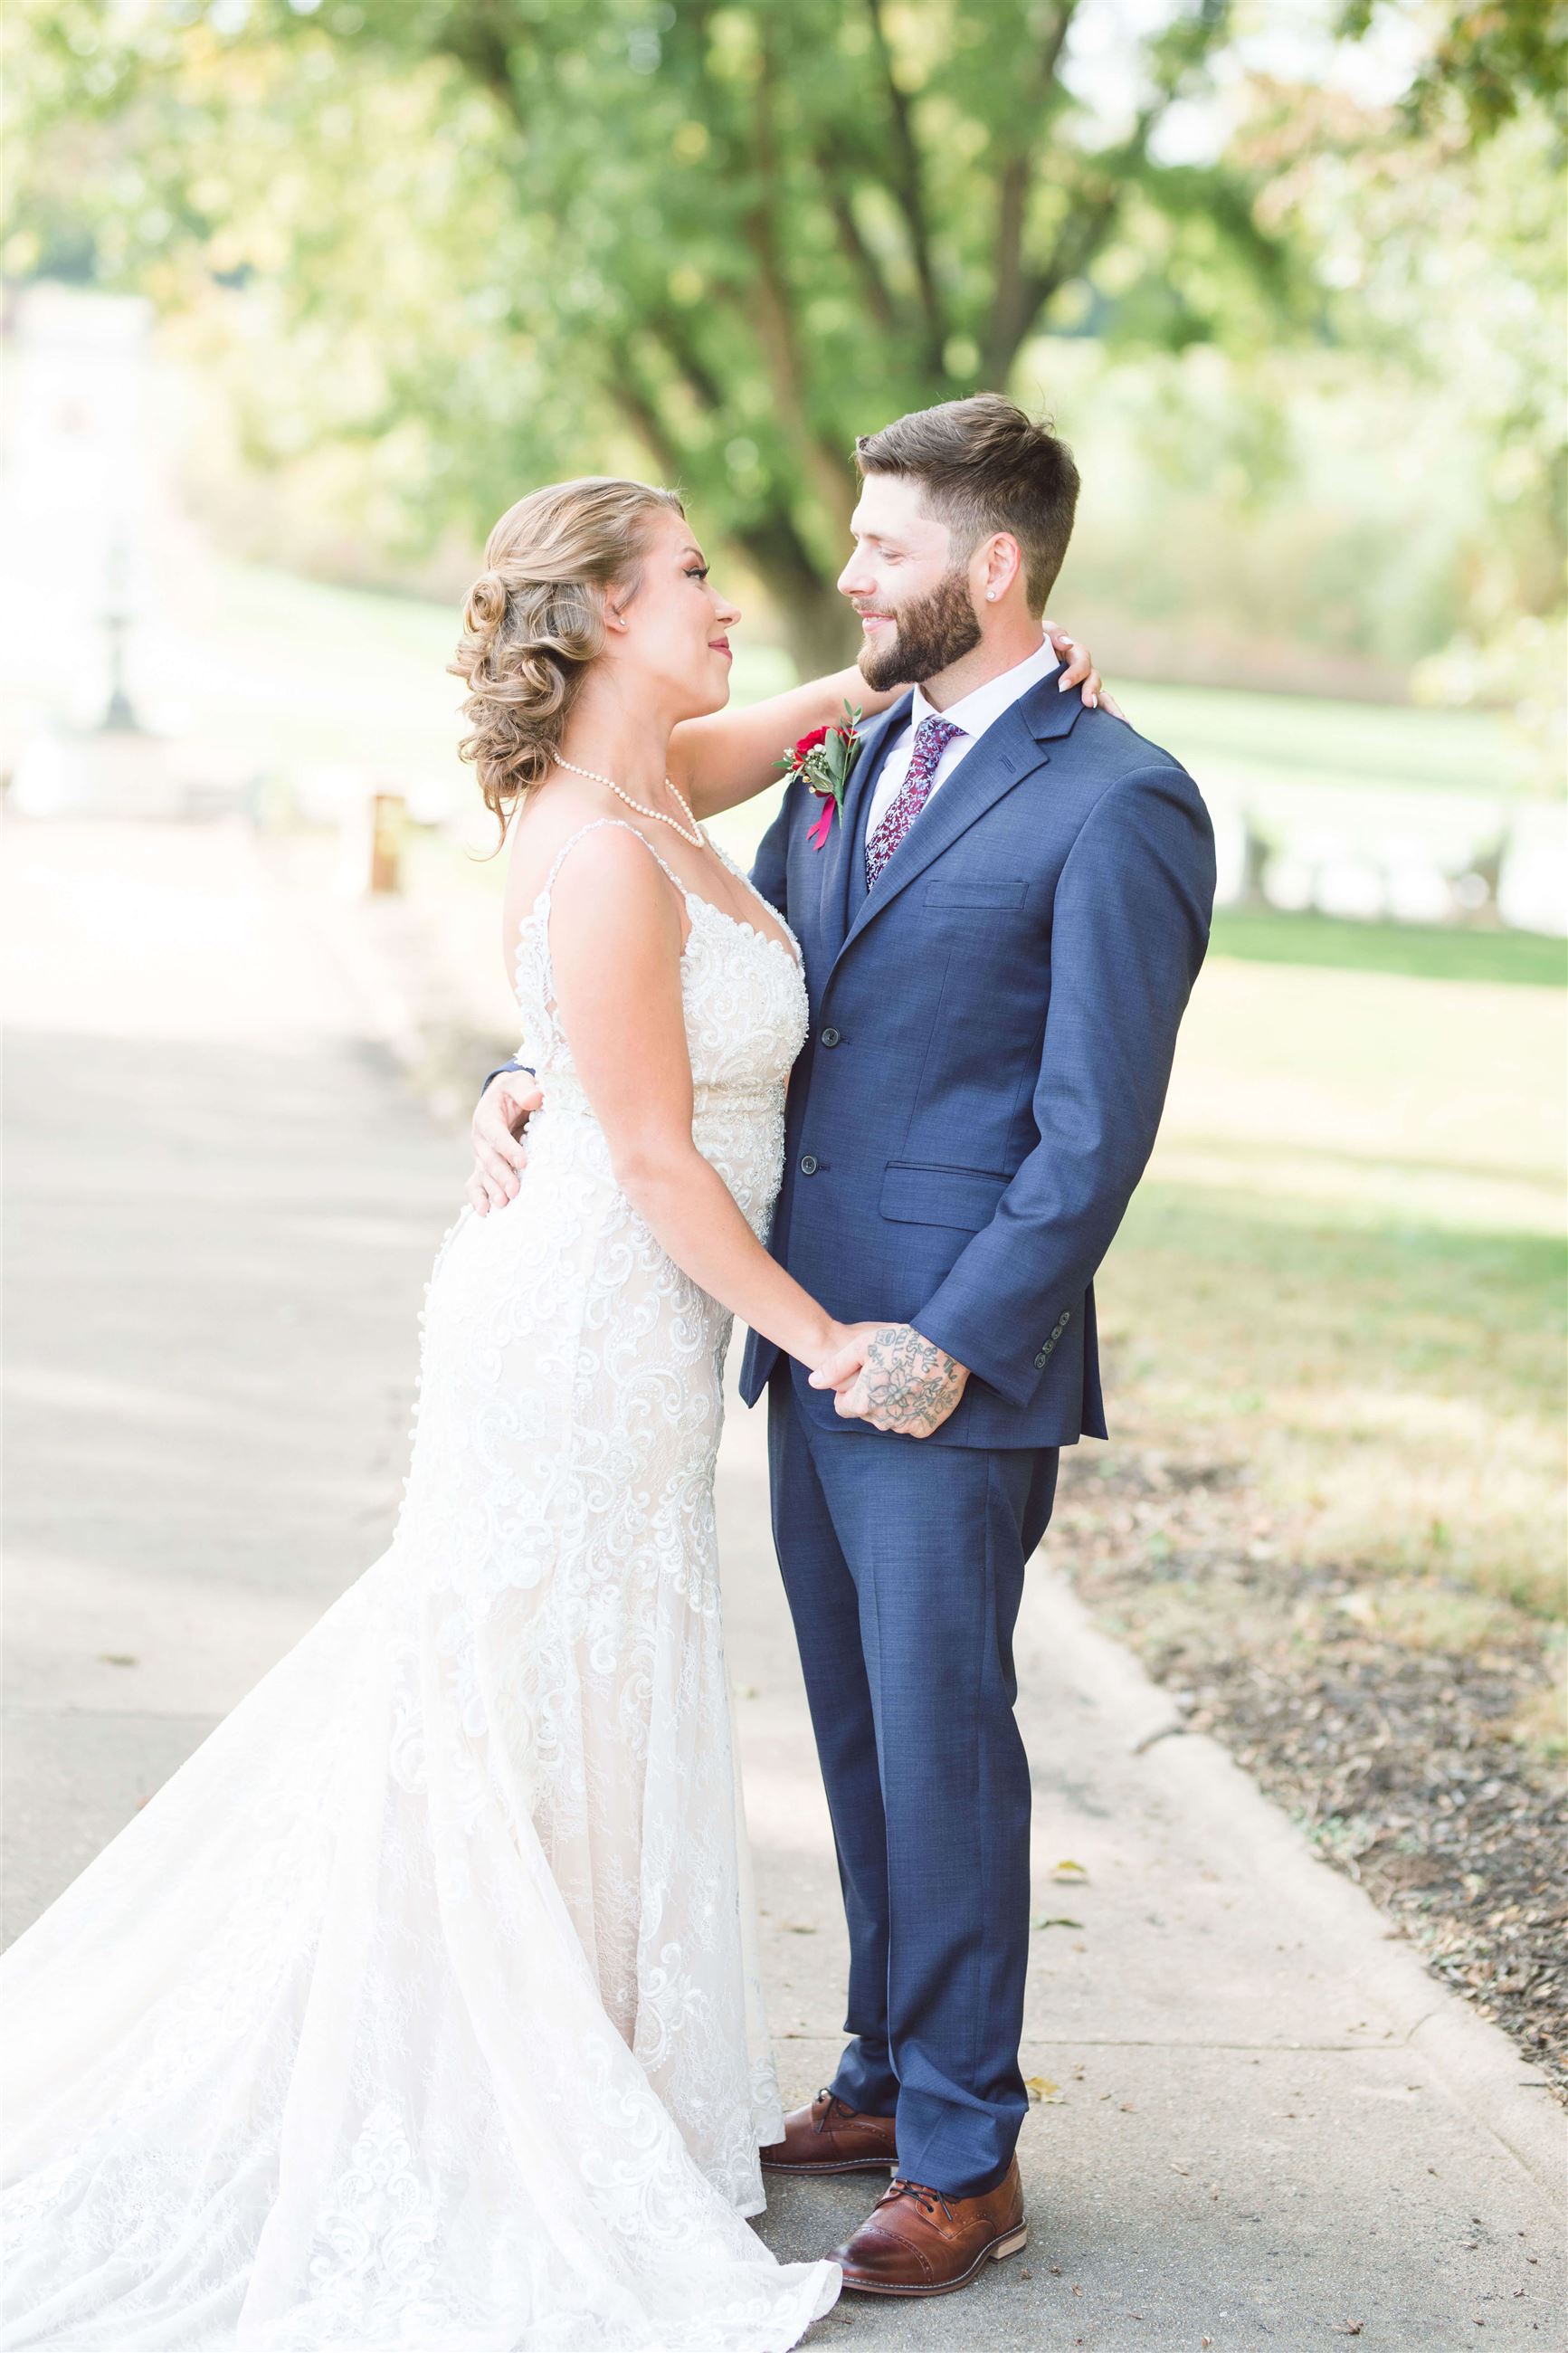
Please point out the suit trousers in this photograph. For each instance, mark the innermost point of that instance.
(903, 1564)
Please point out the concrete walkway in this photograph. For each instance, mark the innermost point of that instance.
(1261, 2124)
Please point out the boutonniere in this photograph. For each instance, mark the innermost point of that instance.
(823, 760)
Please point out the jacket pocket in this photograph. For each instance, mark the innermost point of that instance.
(921, 1193)
(975, 894)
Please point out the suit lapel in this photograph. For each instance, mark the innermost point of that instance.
(1010, 750)
(844, 879)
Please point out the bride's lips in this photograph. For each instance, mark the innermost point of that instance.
(721, 646)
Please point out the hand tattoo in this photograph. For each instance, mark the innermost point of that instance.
(909, 1384)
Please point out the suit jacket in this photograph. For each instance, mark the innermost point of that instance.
(992, 1031)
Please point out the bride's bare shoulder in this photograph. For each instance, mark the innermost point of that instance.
(538, 837)
(596, 865)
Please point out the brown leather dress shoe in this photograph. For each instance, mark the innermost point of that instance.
(830, 2137)
(918, 2243)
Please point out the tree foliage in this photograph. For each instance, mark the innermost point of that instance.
(748, 231)
(1495, 59)
(433, 250)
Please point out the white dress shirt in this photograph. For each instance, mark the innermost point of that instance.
(974, 714)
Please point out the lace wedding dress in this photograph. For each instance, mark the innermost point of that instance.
(420, 2008)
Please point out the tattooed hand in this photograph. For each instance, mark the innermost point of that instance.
(887, 1375)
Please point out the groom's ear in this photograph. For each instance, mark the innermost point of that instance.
(996, 564)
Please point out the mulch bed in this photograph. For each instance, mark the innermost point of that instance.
(1395, 1760)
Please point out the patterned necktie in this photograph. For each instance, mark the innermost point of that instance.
(932, 737)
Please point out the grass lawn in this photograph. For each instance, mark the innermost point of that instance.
(313, 672)
(1345, 1270)
(1427, 951)
(1303, 738)
(1331, 1516)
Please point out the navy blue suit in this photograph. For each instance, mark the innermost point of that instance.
(991, 1041)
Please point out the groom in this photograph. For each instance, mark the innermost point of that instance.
(1001, 933)
(1001, 929)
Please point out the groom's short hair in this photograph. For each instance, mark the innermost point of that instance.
(986, 465)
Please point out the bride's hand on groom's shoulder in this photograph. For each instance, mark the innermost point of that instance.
(892, 1377)
(500, 1115)
(1078, 670)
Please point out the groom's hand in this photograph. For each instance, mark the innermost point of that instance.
(890, 1376)
(499, 1155)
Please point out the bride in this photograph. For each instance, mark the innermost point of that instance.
(420, 2009)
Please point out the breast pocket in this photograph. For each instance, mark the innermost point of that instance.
(925, 1193)
(958, 893)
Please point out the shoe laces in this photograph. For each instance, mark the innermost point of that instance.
(834, 2109)
(927, 2200)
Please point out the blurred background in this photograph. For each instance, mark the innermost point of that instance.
(300, 294)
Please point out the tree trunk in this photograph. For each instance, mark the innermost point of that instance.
(819, 627)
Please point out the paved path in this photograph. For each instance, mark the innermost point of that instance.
(1262, 2125)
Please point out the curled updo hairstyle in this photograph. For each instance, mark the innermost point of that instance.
(534, 621)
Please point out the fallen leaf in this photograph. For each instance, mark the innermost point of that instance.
(1040, 2087)
(1068, 1869)
(1054, 1920)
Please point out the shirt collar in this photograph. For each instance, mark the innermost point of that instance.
(979, 710)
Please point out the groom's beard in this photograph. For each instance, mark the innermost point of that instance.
(929, 635)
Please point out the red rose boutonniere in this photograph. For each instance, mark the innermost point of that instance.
(823, 760)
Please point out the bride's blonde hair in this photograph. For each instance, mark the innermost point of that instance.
(534, 620)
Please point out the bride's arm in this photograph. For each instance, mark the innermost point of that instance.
(615, 951)
(731, 756)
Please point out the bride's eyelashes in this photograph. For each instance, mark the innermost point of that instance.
(696, 572)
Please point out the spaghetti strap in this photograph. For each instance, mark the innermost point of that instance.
(594, 826)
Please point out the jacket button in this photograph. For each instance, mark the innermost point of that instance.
(808, 1164)
(830, 1037)
(1040, 1360)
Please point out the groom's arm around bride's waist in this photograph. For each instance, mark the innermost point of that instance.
(1129, 928)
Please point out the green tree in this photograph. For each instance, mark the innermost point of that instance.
(746, 230)
(1497, 58)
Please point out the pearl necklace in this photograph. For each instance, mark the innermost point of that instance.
(696, 837)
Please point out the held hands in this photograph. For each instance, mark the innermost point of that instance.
(889, 1375)
(1078, 670)
(499, 1118)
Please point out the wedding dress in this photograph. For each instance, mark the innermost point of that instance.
(420, 2008)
